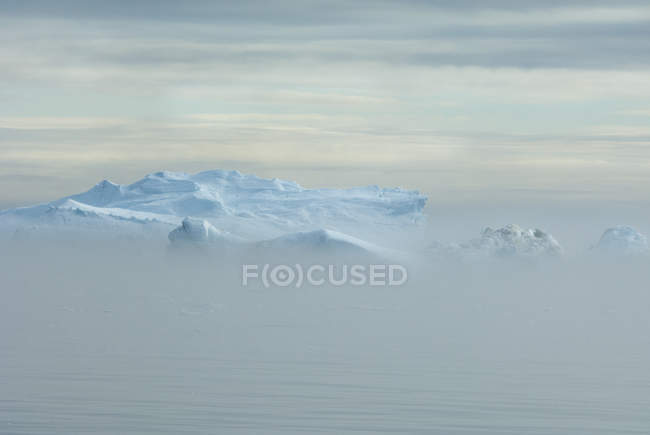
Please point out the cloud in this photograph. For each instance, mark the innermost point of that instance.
(58, 123)
(476, 93)
(213, 35)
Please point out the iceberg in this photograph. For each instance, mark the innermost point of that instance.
(622, 240)
(248, 206)
(510, 241)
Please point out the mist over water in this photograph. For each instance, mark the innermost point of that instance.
(132, 337)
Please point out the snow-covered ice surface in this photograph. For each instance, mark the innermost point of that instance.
(510, 241)
(622, 240)
(247, 206)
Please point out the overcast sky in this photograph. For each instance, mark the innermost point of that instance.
(461, 99)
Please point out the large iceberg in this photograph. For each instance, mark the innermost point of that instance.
(510, 241)
(245, 205)
(622, 240)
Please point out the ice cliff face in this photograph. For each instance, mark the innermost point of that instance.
(510, 241)
(622, 240)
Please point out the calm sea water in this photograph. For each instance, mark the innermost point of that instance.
(96, 347)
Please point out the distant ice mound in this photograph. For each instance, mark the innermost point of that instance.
(318, 239)
(510, 241)
(324, 242)
(245, 205)
(196, 231)
(622, 240)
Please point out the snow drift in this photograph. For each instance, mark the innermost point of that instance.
(326, 242)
